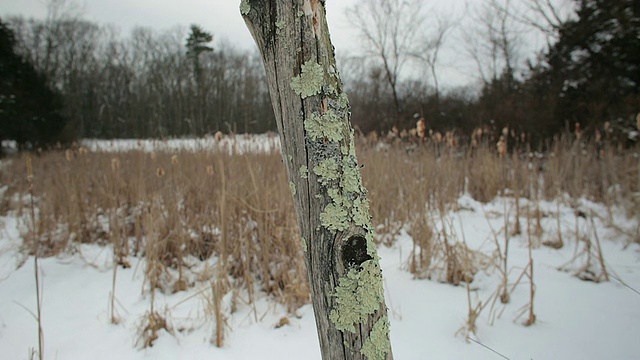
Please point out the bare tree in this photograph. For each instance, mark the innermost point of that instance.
(391, 31)
(313, 117)
(492, 40)
(428, 50)
(546, 16)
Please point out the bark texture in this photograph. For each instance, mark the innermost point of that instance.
(313, 118)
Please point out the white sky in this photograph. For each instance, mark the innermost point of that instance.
(222, 18)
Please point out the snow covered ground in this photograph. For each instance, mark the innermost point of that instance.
(575, 319)
(232, 144)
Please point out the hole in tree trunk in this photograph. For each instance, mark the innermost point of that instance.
(354, 251)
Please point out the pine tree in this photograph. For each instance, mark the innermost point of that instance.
(595, 65)
(196, 45)
(29, 109)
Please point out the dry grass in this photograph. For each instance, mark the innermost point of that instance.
(234, 212)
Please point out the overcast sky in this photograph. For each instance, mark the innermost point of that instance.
(222, 18)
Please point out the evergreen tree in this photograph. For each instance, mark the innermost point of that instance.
(29, 109)
(197, 44)
(594, 68)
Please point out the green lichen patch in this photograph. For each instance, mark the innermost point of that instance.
(360, 213)
(292, 186)
(337, 197)
(328, 171)
(335, 217)
(377, 345)
(304, 172)
(310, 80)
(350, 181)
(343, 101)
(371, 246)
(327, 126)
(358, 295)
(280, 25)
(245, 7)
(304, 245)
(352, 144)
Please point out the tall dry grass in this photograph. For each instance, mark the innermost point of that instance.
(233, 211)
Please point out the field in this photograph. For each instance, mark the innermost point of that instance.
(189, 249)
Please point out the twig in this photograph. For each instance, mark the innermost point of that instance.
(625, 284)
(486, 347)
(600, 256)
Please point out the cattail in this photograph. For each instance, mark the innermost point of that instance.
(69, 155)
(218, 135)
(502, 147)
(160, 171)
(29, 170)
(210, 170)
(421, 128)
(115, 165)
(174, 159)
(451, 140)
(578, 130)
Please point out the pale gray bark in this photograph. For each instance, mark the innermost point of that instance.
(314, 124)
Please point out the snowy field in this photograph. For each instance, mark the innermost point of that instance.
(237, 144)
(576, 319)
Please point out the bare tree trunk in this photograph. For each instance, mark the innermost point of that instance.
(312, 114)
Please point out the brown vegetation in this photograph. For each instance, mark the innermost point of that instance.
(233, 213)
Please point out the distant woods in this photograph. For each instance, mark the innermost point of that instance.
(147, 85)
(30, 111)
(186, 82)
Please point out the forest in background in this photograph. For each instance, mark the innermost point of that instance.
(183, 82)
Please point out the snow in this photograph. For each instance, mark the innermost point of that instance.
(238, 144)
(575, 319)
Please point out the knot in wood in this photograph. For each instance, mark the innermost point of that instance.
(354, 251)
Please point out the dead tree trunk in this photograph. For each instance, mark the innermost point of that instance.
(313, 118)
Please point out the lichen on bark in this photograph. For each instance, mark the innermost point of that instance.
(328, 126)
(377, 345)
(245, 7)
(310, 80)
(304, 172)
(335, 217)
(327, 171)
(358, 295)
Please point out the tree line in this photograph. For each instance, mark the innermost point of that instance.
(183, 82)
(148, 85)
(585, 76)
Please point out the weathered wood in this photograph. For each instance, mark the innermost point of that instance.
(313, 118)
